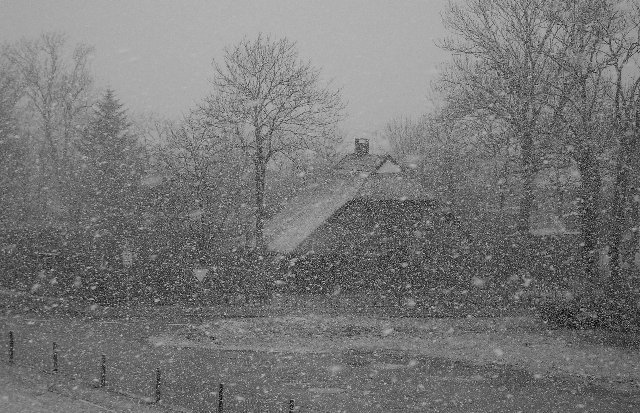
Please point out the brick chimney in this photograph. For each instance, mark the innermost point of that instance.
(362, 147)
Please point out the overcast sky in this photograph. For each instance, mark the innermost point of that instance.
(157, 54)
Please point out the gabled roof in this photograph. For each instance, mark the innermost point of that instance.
(315, 204)
(388, 186)
(361, 163)
(307, 211)
(358, 175)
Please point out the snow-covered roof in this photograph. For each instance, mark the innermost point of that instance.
(364, 176)
(307, 211)
(381, 186)
(361, 163)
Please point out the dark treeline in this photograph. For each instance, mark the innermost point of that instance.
(84, 180)
(537, 127)
(533, 145)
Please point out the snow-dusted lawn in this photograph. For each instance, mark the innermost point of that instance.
(523, 342)
(321, 324)
(28, 390)
(303, 346)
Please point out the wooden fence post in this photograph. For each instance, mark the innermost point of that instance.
(103, 371)
(158, 382)
(220, 396)
(10, 347)
(55, 357)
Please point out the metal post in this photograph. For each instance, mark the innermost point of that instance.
(10, 347)
(220, 393)
(158, 381)
(55, 357)
(103, 371)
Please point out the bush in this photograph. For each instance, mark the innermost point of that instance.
(590, 311)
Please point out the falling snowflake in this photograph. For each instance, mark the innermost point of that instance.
(478, 282)
(336, 368)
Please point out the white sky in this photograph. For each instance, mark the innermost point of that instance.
(157, 54)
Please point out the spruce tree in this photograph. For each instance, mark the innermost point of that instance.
(110, 171)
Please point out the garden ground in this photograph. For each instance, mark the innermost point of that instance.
(26, 390)
(328, 354)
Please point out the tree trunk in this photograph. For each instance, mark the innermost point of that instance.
(634, 243)
(633, 197)
(528, 177)
(259, 229)
(591, 184)
(504, 186)
(620, 197)
(261, 170)
(624, 208)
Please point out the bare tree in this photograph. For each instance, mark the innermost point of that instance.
(57, 87)
(624, 210)
(502, 66)
(548, 70)
(593, 49)
(209, 170)
(13, 148)
(274, 104)
(407, 137)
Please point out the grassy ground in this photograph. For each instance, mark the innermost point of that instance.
(355, 379)
(28, 390)
(330, 353)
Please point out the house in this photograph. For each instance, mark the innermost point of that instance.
(368, 205)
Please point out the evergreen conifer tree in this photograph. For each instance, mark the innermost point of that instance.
(110, 171)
